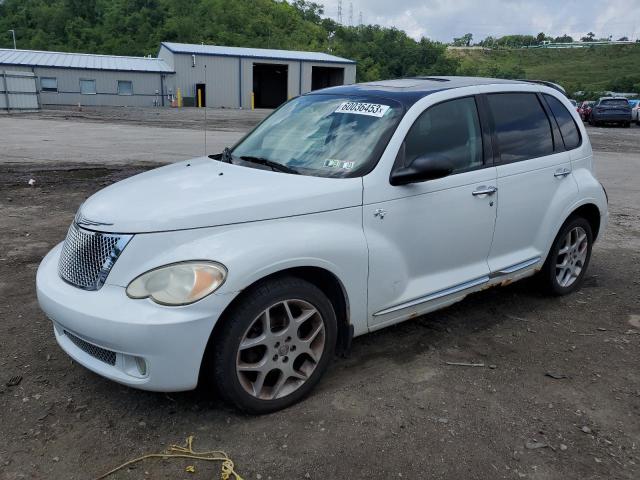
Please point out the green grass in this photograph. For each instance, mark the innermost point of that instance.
(593, 68)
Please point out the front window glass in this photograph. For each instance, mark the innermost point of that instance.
(324, 135)
(450, 130)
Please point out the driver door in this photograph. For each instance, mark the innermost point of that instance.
(429, 241)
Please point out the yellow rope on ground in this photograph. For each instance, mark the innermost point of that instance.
(177, 451)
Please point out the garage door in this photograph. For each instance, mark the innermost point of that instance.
(18, 91)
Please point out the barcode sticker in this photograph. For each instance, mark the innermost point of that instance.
(361, 108)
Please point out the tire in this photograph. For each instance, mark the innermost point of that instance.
(562, 281)
(251, 378)
(626, 124)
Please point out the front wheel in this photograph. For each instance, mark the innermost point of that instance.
(274, 345)
(564, 270)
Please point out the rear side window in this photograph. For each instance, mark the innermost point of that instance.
(568, 127)
(521, 126)
(451, 130)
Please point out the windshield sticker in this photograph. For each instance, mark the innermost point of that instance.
(339, 164)
(360, 108)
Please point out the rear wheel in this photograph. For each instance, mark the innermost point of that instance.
(274, 345)
(564, 270)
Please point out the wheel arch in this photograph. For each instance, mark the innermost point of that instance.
(588, 210)
(322, 278)
(591, 213)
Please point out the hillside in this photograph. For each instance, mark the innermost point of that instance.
(589, 69)
(136, 27)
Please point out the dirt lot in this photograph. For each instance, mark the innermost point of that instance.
(394, 409)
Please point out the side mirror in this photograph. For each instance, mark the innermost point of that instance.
(427, 167)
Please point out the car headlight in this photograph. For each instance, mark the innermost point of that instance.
(178, 283)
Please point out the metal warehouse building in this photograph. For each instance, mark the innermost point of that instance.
(236, 77)
(87, 79)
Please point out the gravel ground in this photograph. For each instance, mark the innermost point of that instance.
(394, 409)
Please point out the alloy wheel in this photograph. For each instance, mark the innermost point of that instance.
(572, 256)
(280, 349)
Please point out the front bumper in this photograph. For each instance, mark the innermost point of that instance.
(88, 325)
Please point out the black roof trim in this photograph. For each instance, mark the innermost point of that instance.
(409, 90)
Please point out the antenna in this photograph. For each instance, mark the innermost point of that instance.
(351, 14)
(205, 109)
(340, 11)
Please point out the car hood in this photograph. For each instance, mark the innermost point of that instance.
(205, 193)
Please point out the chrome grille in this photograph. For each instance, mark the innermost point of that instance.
(102, 354)
(87, 257)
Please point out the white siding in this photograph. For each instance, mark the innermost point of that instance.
(18, 91)
(229, 79)
(222, 79)
(145, 86)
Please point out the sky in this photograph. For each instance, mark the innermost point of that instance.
(443, 20)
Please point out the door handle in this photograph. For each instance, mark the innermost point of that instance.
(561, 172)
(484, 191)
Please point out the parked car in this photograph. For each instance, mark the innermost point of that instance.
(585, 109)
(574, 103)
(635, 111)
(611, 110)
(347, 210)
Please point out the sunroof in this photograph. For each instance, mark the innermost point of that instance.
(434, 79)
(398, 83)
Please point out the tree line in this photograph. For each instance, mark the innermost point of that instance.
(136, 27)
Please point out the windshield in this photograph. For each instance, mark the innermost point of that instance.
(324, 135)
(615, 103)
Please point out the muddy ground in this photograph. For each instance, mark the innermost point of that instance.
(558, 398)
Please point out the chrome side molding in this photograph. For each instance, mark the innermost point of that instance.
(434, 295)
(516, 267)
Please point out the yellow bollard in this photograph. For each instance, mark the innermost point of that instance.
(199, 98)
(179, 94)
(253, 101)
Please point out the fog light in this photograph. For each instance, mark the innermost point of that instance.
(142, 366)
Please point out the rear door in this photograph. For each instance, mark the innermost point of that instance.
(533, 178)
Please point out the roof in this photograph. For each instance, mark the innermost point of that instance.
(409, 90)
(89, 61)
(264, 53)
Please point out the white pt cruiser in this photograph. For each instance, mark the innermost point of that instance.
(347, 210)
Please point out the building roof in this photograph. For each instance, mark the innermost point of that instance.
(408, 91)
(89, 61)
(264, 53)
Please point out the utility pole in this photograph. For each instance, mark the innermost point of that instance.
(340, 12)
(360, 19)
(351, 14)
(13, 33)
